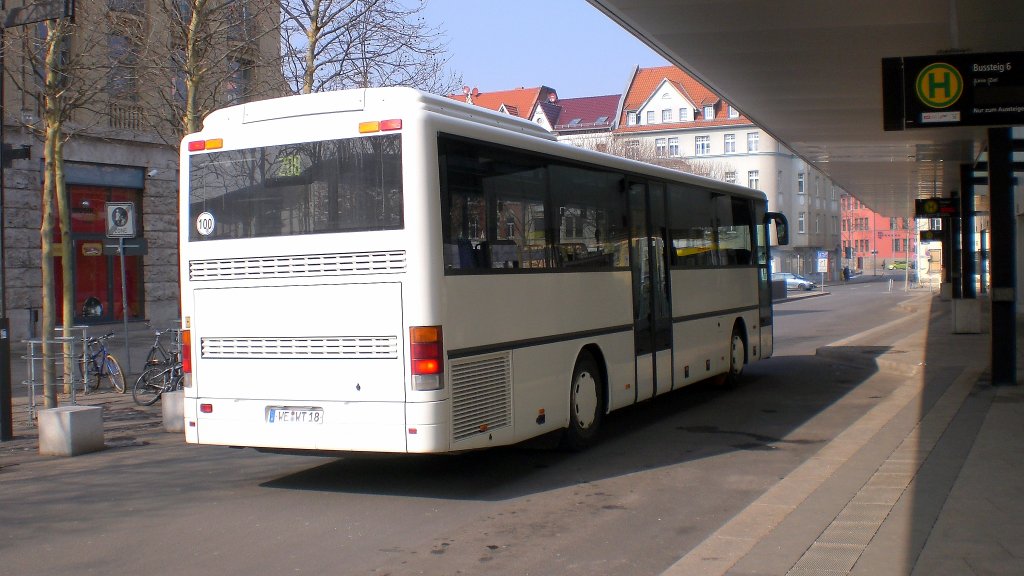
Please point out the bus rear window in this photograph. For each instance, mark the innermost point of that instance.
(311, 188)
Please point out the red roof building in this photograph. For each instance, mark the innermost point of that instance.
(521, 102)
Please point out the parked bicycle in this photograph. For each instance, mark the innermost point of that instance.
(163, 371)
(100, 364)
(159, 353)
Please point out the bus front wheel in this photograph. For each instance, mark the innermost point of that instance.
(585, 403)
(737, 358)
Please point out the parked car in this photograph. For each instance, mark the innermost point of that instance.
(900, 265)
(794, 281)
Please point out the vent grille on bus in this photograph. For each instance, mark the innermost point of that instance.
(330, 347)
(390, 262)
(481, 395)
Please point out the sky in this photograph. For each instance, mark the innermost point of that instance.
(567, 45)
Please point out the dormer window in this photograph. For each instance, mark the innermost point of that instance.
(709, 112)
(733, 113)
(630, 118)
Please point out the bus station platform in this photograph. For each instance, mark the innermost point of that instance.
(929, 481)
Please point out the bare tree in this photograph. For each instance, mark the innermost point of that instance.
(57, 70)
(206, 55)
(337, 44)
(645, 150)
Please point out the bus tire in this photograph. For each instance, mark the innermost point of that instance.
(586, 403)
(737, 357)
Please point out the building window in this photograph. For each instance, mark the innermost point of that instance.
(709, 112)
(673, 146)
(817, 223)
(733, 113)
(630, 118)
(684, 115)
(801, 223)
(800, 183)
(650, 116)
(895, 244)
(817, 185)
(730, 143)
(730, 177)
(702, 145)
(754, 179)
(122, 83)
(659, 147)
(666, 115)
(633, 149)
(752, 141)
(238, 85)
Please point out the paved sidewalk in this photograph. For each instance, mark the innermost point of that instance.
(926, 483)
(124, 422)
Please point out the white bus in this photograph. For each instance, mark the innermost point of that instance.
(385, 270)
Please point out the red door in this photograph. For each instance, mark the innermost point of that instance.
(97, 277)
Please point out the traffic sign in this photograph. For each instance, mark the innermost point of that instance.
(120, 220)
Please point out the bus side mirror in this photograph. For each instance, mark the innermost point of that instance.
(781, 226)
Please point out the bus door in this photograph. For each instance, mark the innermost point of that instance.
(652, 308)
(763, 237)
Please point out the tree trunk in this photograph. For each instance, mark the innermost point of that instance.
(46, 241)
(66, 256)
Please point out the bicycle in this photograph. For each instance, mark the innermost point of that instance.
(158, 353)
(102, 364)
(152, 384)
(163, 371)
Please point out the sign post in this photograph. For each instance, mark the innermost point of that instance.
(822, 266)
(121, 225)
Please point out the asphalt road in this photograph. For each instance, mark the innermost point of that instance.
(665, 475)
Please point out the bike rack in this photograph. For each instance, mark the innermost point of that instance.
(34, 355)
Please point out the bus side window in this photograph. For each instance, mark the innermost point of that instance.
(503, 254)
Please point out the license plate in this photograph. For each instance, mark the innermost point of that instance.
(294, 415)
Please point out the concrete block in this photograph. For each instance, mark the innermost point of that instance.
(173, 404)
(70, 430)
(966, 316)
(945, 291)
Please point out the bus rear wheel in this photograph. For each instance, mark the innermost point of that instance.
(586, 403)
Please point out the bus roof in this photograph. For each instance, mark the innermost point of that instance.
(365, 99)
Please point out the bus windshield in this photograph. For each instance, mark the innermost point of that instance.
(348, 185)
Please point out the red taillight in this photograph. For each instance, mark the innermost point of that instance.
(206, 408)
(380, 126)
(200, 145)
(186, 351)
(426, 353)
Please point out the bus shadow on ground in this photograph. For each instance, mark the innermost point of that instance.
(695, 423)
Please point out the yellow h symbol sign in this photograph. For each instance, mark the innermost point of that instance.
(939, 85)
